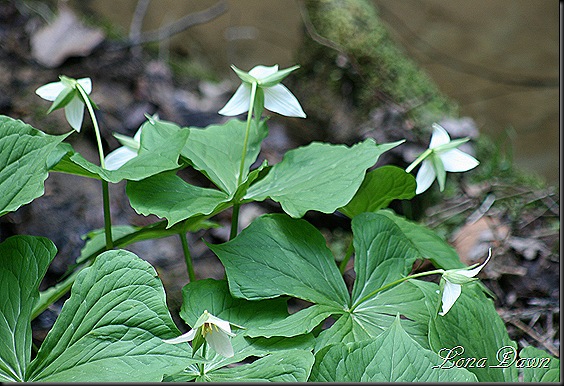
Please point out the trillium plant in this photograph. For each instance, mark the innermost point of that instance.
(393, 323)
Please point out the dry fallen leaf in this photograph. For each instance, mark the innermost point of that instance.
(66, 36)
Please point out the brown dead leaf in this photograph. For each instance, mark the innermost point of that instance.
(66, 36)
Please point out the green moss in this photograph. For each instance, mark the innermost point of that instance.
(378, 71)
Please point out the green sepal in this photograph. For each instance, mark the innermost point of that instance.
(277, 77)
(62, 99)
(439, 170)
(244, 76)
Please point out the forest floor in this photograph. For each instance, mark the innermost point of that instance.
(498, 206)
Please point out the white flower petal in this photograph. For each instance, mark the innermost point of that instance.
(457, 161)
(137, 136)
(451, 292)
(280, 100)
(261, 72)
(425, 177)
(439, 137)
(222, 324)
(187, 337)
(86, 84)
(74, 112)
(239, 102)
(220, 342)
(50, 91)
(473, 272)
(119, 157)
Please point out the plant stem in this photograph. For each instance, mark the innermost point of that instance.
(187, 257)
(436, 271)
(236, 205)
(105, 187)
(347, 257)
(419, 159)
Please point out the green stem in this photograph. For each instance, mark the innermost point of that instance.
(234, 221)
(187, 257)
(105, 188)
(419, 159)
(347, 257)
(371, 294)
(236, 206)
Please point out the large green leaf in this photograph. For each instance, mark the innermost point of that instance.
(277, 255)
(320, 176)
(161, 143)
(383, 254)
(214, 296)
(23, 263)
(25, 156)
(393, 356)
(111, 328)
(380, 187)
(538, 366)
(415, 300)
(285, 366)
(216, 151)
(428, 244)
(474, 325)
(169, 196)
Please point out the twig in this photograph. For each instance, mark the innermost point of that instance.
(137, 20)
(136, 24)
(533, 334)
(181, 24)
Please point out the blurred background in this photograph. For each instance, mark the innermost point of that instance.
(499, 59)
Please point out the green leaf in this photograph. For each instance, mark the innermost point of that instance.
(300, 322)
(383, 254)
(23, 263)
(277, 255)
(285, 366)
(111, 328)
(393, 356)
(214, 296)
(216, 151)
(473, 324)
(380, 187)
(169, 196)
(161, 143)
(415, 300)
(538, 366)
(320, 176)
(428, 244)
(24, 155)
(124, 235)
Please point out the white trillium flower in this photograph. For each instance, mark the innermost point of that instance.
(443, 157)
(121, 155)
(454, 279)
(215, 331)
(277, 97)
(64, 94)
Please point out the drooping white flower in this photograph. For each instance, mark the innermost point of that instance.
(121, 155)
(216, 332)
(441, 157)
(453, 279)
(277, 97)
(65, 94)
